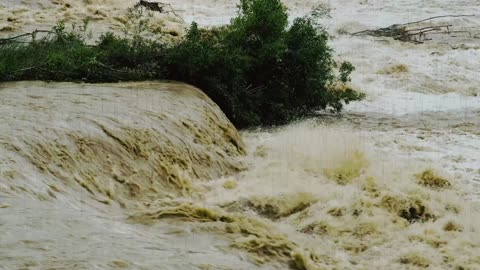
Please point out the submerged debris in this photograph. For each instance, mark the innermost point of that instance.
(157, 7)
(414, 32)
(429, 179)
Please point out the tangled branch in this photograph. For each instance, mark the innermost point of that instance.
(16, 39)
(157, 7)
(408, 33)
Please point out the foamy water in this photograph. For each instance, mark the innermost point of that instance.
(338, 192)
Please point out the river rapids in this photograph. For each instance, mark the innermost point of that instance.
(152, 175)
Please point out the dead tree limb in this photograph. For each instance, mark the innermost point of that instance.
(33, 67)
(437, 17)
(157, 7)
(405, 32)
(15, 38)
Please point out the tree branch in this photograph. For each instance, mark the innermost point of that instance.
(157, 6)
(13, 39)
(437, 17)
(416, 35)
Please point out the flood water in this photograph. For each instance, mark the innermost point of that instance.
(80, 184)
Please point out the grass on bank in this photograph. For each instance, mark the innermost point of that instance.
(259, 69)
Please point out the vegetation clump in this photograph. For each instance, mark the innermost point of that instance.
(259, 69)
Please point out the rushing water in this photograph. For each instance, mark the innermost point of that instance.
(338, 192)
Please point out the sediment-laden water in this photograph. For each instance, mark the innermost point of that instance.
(153, 176)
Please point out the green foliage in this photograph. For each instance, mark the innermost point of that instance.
(65, 56)
(49, 58)
(258, 69)
(346, 68)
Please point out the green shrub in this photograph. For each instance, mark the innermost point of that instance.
(65, 56)
(258, 69)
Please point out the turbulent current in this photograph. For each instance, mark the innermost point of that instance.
(152, 175)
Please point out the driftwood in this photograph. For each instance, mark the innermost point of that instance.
(407, 32)
(157, 7)
(18, 39)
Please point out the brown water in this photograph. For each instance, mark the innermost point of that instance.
(77, 159)
(105, 177)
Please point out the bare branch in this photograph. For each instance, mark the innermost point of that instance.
(404, 32)
(32, 34)
(158, 7)
(33, 67)
(437, 17)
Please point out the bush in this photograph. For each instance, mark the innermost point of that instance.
(65, 56)
(258, 69)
